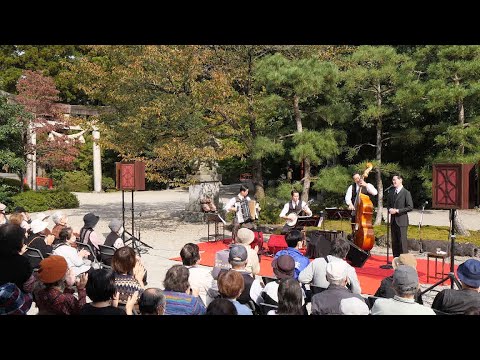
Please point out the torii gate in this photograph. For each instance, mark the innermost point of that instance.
(69, 110)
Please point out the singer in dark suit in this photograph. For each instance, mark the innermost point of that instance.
(399, 204)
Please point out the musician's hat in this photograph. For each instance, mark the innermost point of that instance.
(245, 236)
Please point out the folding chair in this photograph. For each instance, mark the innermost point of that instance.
(34, 257)
(265, 308)
(267, 279)
(106, 255)
(92, 257)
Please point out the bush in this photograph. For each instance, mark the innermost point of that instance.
(14, 183)
(34, 201)
(271, 208)
(108, 183)
(76, 181)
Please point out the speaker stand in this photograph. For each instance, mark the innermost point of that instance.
(132, 238)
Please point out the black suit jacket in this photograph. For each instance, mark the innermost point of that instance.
(403, 203)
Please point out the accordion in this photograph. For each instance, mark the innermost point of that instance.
(246, 211)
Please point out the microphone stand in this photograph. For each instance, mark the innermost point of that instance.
(388, 265)
(420, 222)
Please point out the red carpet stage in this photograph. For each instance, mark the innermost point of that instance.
(370, 275)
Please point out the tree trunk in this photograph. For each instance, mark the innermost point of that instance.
(378, 158)
(306, 161)
(258, 179)
(306, 180)
(461, 114)
(459, 227)
(257, 164)
(461, 121)
(296, 110)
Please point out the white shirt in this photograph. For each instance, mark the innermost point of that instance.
(287, 206)
(202, 279)
(348, 196)
(232, 201)
(74, 261)
(316, 274)
(397, 190)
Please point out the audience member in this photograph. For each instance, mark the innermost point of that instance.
(89, 236)
(472, 310)
(13, 301)
(152, 302)
(14, 267)
(328, 302)
(200, 278)
(181, 298)
(101, 290)
(221, 306)
(315, 272)
(405, 284)
(56, 297)
(26, 219)
(283, 268)
(230, 286)
(245, 237)
(60, 221)
(290, 297)
(453, 301)
(114, 239)
(294, 241)
(39, 239)
(77, 260)
(386, 289)
(16, 219)
(129, 273)
(252, 290)
(353, 306)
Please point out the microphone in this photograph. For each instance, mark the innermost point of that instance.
(388, 188)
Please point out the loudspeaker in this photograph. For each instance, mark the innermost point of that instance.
(130, 175)
(321, 240)
(356, 256)
(453, 186)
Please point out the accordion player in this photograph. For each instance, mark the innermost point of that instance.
(247, 211)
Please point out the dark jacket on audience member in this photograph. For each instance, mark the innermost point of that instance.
(386, 290)
(453, 301)
(328, 302)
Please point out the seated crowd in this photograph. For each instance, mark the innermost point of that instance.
(63, 278)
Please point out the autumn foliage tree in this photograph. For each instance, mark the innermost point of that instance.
(39, 96)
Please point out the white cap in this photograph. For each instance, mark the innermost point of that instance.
(337, 270)
(353, 306)
(38, 225)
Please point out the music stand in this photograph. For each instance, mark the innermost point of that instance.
(302, 221)
(451, 275)
(216, 219)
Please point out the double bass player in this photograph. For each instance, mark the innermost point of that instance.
(359, 185)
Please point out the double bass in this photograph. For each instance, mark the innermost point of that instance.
(364, 237)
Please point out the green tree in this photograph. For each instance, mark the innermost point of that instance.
(300, 82)
(453, 94)
(375, 74)
(11, 131)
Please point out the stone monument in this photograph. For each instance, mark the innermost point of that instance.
(206, 184)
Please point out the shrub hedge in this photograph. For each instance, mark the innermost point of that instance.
(34, 201)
